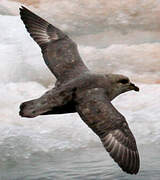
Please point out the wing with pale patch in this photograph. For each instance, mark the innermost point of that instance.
(59, 51)
(99, 114)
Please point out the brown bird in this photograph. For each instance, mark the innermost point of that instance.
(79, 90)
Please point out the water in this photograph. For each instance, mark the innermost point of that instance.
(78, 164)
(62, 146)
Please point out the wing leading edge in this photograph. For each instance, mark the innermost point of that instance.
(59, 51)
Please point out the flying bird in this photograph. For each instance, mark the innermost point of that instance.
(79, 90)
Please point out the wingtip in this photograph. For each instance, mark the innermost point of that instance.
(21, 11)
(126, 156)
(132, 172)
(21, 8)
(127, 170)
(135, 169)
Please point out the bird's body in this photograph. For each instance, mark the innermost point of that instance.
(79, 90)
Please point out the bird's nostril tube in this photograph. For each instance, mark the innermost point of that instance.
(134, 87)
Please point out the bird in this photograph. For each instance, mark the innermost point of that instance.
(77, 89)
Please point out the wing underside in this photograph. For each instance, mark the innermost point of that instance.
(99, 114)
(59, 51)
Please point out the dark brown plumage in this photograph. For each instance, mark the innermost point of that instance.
(99, 114)
(64, 62)
(78, 90)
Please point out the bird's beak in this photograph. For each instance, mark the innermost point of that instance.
(133, 87)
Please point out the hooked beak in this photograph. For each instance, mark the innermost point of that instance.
(134, 87)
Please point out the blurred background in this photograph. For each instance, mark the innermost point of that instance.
(113, 37)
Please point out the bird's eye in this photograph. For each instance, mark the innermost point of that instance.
(124, 81)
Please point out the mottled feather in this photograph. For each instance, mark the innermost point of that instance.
(61, 56)
(59, 51)
(99, 114)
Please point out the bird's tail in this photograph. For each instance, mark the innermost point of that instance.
(53, 101)
(33, 108)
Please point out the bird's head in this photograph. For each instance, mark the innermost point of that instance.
(119, 84)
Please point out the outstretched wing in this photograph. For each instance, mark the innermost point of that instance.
(99, 114)
(59, 51)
